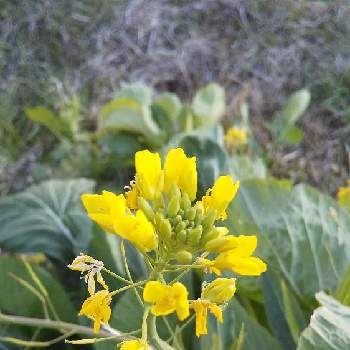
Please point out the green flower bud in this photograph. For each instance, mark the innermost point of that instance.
(178, 219)
(220, 291)
(209, 219)
(164, 229)
(180, 226)
(181, 236)
(215, 244)
(146, 208)
(175, 192)
(183, 257)
(173, 206)
(158, 216)
(190, 214)
(185, 202)
(199, 216)
(195, 235)
(210, 235)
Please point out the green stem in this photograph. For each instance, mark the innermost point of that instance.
(117, 276)
(127, 287)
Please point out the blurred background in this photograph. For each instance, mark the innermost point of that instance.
(54, 52)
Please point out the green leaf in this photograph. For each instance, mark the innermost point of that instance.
(343, 290)
(44, 116)
(244, 167)
(137, 91)
(126, 114)
(47, 218)
(329, 326)
(256, 337)
(170, 104)
(16, 299)
(209, 104)
(301, 232)
(292, 135)
(275, 310)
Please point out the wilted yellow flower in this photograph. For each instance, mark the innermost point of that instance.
(97, 307)
(220, 196)
(235, 137)
(220, 291)
(138, 230)
(137, 344)
(104, 208)
(167, 298)
(201, 308)
(149, 175)
(91, 267)
(181, 171)
(238, 260)
(343, 195)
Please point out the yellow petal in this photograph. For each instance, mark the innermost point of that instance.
(220, 291)
(216, 311)
(250, 266)
(181, 171)
(167, 299)
(137, 344)
(220, 196)
(201, 311)
(148, 174)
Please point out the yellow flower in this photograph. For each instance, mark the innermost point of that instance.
(137, 344)
(167, 298)
(343, 195)
(132, 195)
(220, 291)
(181, 171)
(104, 208)
(220, 196)
(201, 309)
(222, 244)
(149, 175)
(91, 267)
(137, 229)
(235, 137)
(97, 307)
(239, 259)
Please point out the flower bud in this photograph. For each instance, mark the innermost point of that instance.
(146, 208)
(164, 229)
(195, 235)
(199, 216)
(221, 244)
(220, 291)
(190, 214)
(210, 235)
(181, 236)
(183, 257)
(180, 226)
(209, 219)
(185, 202)
(175, 192)
(173, 206)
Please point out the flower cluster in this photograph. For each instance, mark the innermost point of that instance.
(160, 216)
(235, 138)
(343, 195)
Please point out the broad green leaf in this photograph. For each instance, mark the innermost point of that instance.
(292, 135)
(170, 104)
(209, 104)
(47, 218)
(137, 91)
(127, 114)
(329, 327)
(273, 303)
(301, 232)
(255, 336)
(44, 116)
(244, 167)
(343, 290)
(16, 299)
